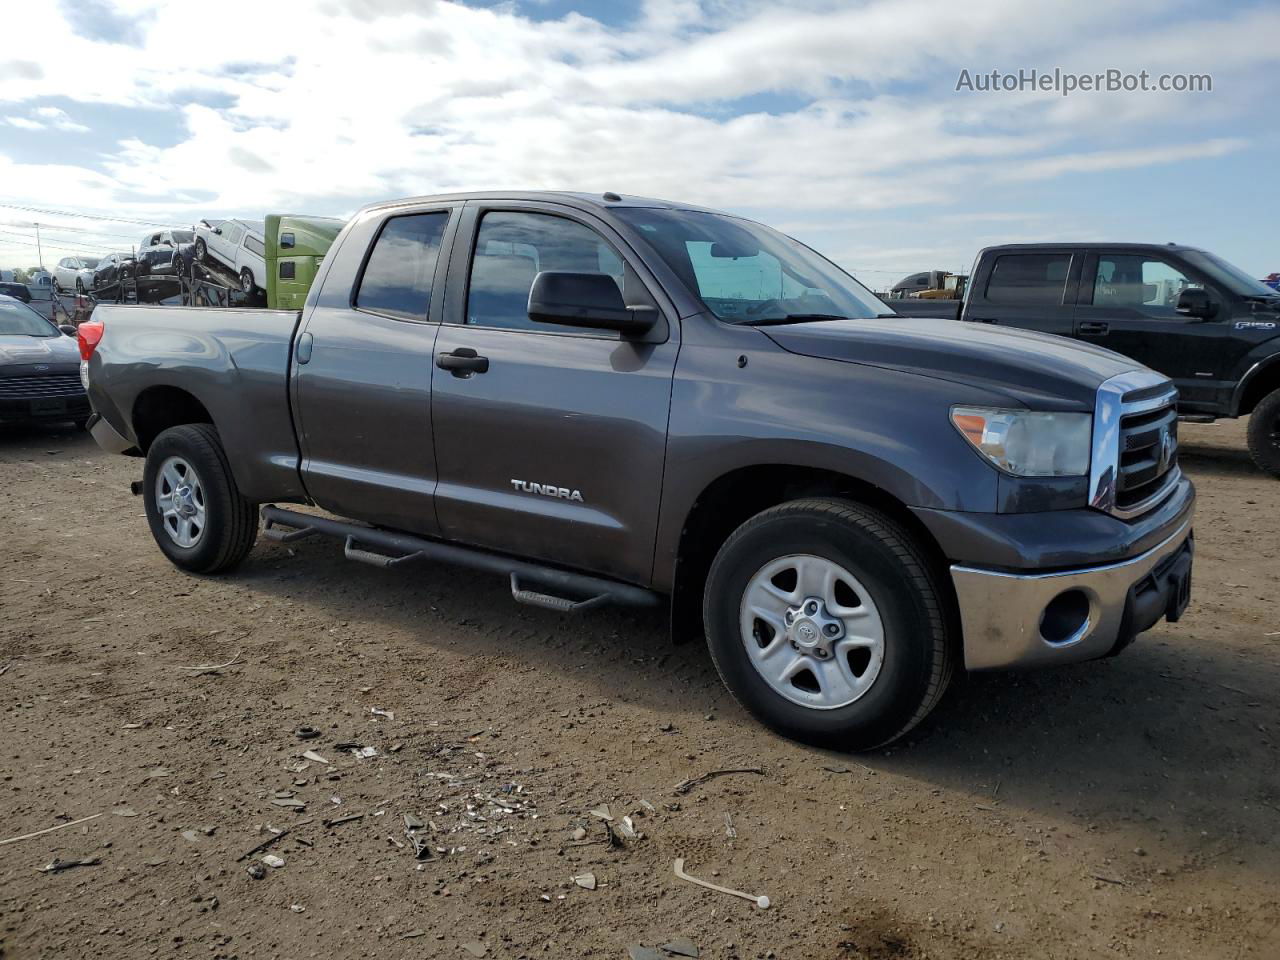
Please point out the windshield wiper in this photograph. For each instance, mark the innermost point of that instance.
(791, 318)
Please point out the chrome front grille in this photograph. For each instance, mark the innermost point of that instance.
(1135, 444)
(41, 387)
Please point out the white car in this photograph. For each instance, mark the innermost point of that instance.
(238, 244)
(75, 273)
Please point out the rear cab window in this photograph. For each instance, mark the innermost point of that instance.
(398, 274)
(1029, 278)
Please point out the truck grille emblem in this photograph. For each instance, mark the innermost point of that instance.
(547, 490)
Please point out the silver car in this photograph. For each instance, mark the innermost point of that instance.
(75, 273)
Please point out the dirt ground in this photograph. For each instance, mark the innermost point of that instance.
(1121, 808)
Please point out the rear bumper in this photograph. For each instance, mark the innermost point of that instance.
(1007, 619)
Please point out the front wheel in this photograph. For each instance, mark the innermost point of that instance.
(194, 508)
(201, 249)
(1264, 433)
(246, 280)
(826, 622)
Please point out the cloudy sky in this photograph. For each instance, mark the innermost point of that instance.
(839, 122)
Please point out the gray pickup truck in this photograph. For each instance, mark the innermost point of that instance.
(616, 400)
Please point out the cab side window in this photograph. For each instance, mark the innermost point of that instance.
(397, 277)
(1139, 283)
(1030, 278)
(512, 248)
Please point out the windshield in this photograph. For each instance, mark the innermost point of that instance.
(19, 320)
(748, 273)
(1229, 275)
(89, 262)
(182, 236)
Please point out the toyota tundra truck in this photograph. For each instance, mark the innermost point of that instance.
(615, 400)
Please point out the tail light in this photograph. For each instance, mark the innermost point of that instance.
(88, 336)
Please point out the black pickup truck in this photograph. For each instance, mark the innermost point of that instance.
(1208, 325)
(610, 399)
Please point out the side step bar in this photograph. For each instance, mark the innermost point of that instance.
(287, 526)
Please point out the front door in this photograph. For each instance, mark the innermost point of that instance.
(1127, 304)
(551, 442)
(363, 369)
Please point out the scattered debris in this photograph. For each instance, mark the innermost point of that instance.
(159, 772)
(125, 812)
(191, 836)
(271, 860)
(684, 786)
(315, 758)
(306, 733)
(761, 902)
(1116, 881)
(298, 908)
(475, 948)
(257, 871)
(366, 752)
(204, 668)
(338, 821)
(579, 833)
(637, 952)
(4, 668)
(602, 812)
(627, 827)
(379, 712)
(279, 835)
(681, 947)
(293, 803)
(41, 833)
(730, 830)
(59, 865)
(585, 880)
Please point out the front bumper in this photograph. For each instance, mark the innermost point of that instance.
(1038, 619)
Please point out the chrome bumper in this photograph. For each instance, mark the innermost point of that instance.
(106, 436)
(1002, 613)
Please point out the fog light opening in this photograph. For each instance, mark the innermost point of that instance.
(1066, 618)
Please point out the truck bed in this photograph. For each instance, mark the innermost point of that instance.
(914, 307)
(232, 361)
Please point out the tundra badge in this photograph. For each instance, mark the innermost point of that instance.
(547, 490)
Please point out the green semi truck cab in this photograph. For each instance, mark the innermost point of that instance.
(295, 248)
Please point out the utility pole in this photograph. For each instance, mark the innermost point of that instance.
(39, 249)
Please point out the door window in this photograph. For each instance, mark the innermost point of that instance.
(254, 245)
(1139, 283)
(1032, 278)
(397, 279)
(513, 248)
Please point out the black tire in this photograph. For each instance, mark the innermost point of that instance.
(79, 287)
(246, 281)
(201, 249)
(918, 653)
(1264, 433)
(231, 521)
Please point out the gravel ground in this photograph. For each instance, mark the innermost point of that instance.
(1120, 808)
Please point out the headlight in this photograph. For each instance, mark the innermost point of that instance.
(1026, 443)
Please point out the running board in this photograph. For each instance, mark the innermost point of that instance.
(287, 526)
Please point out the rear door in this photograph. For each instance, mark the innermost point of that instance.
(363, 369)
(1033, 289)
(1127, 304)
(553, 445)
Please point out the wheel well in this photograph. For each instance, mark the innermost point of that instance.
(159, 408)
(1267, 380)
(731, 500)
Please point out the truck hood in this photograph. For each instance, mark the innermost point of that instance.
(1039, 370)
(17, 349)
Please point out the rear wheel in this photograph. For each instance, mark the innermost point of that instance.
(825, 622)
(194, 508)
(246, 280)
(1264, 433)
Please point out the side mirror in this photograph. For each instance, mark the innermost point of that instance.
(585, 300)
(1195, 303)
(218, 231)
(68, 329)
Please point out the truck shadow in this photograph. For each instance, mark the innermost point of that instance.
(1169, 736)
(1216, 461)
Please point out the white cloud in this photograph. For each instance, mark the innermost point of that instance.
(851, 106)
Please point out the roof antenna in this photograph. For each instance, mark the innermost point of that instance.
(611, 196)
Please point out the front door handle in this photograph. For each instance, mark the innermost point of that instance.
(462, 362)
(303, 353)
(1091, 328)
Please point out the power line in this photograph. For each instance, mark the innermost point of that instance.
(53, 242)
(89, 216)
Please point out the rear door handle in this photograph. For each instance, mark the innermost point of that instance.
(1091, 328)
(462, 362)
